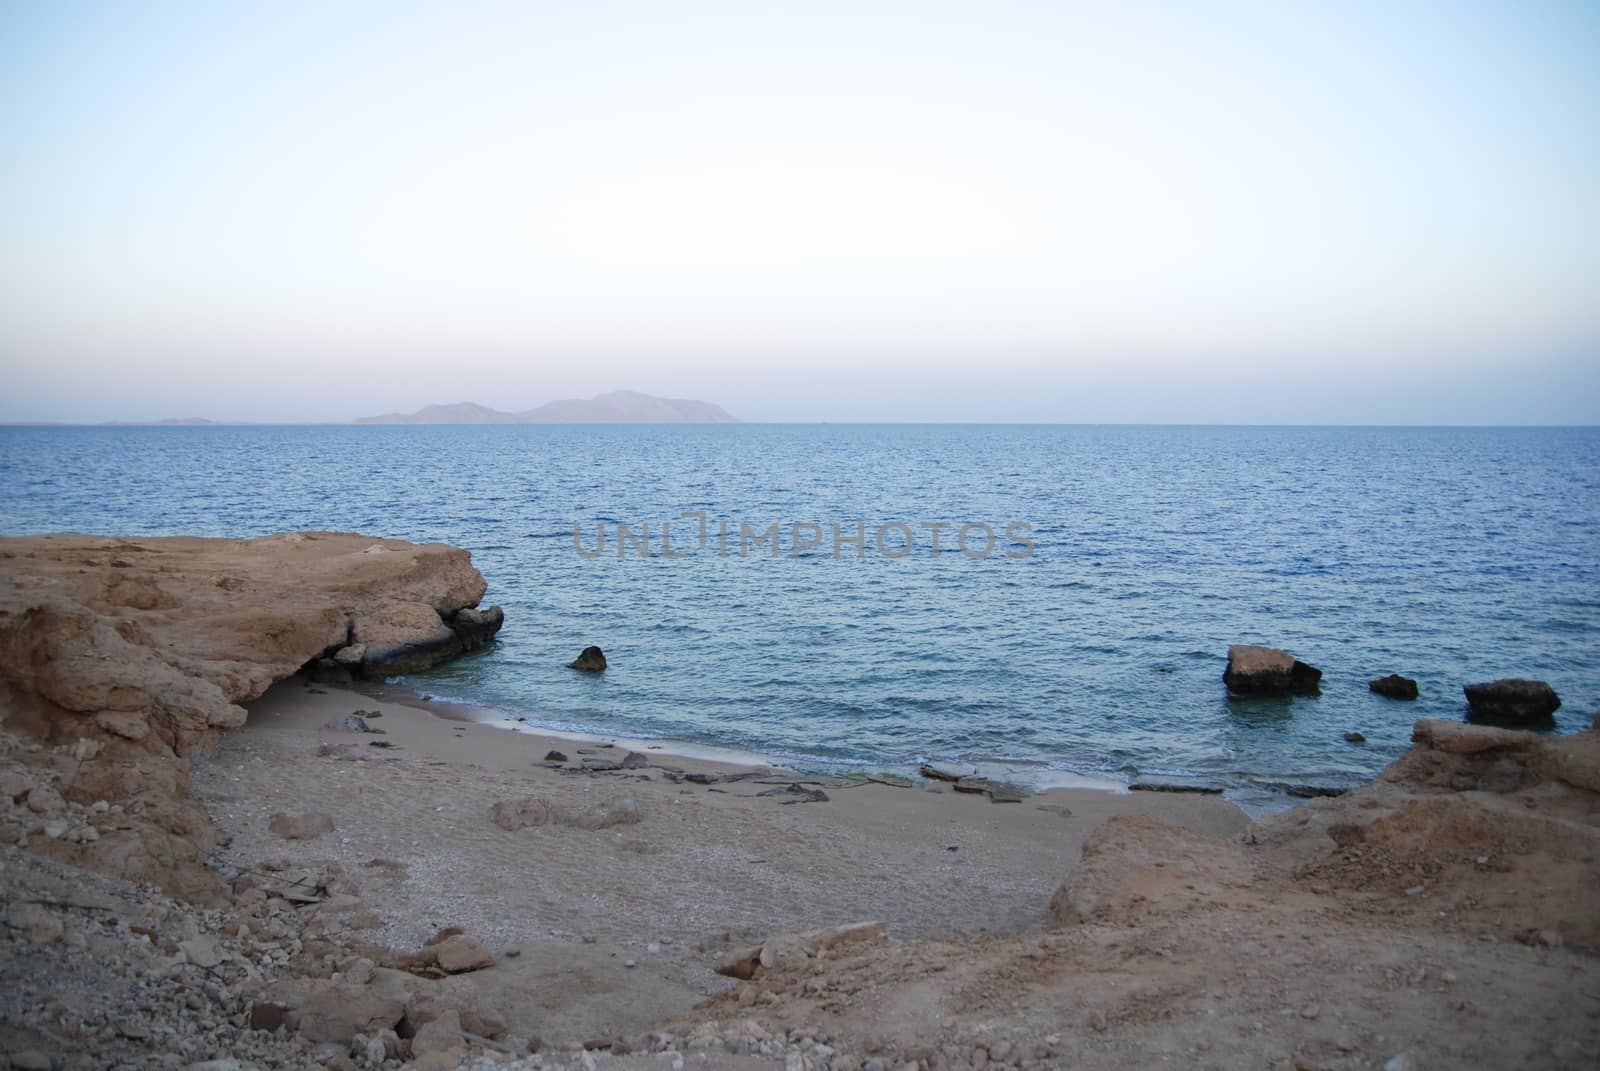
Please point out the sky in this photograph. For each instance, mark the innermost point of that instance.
(1230, 212)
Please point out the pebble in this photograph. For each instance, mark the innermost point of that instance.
(1416, 890)
(1402, 1062)
(30, 1061)
(631, 963)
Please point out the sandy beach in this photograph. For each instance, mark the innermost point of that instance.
(703, 865)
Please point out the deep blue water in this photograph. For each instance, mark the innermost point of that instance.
(1450, 555)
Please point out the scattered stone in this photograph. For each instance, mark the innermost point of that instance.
(554, 756)
(1177, 784)
(202, 950)
(512, 815)
(633, 760)
(803, 795)
(601, 765)
(439, 1035)
(1416, 890)
(32, 1060)
(589, 660)
(999, 792)
(349, 723)
(937, 772)
(1394, 686)
(300, 827)
(1255, 670)
(37, 924)
(459, 953)
(1403, 1062)
(1512, 701)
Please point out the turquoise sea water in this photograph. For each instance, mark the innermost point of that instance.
(1449, 555)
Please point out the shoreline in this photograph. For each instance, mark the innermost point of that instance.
(1253, 795)
(1015, 772)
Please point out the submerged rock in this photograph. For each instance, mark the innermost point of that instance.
(589, 660)
(1512, 701)
(937, 772)
(1176, 784)
(1268, 671)
(1394, 686)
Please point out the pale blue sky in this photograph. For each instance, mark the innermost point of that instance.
(1230, 212)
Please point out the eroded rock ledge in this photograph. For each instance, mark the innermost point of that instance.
(123, 656)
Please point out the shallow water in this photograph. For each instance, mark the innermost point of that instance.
(1449, 555)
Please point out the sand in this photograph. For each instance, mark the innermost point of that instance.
(706, 864)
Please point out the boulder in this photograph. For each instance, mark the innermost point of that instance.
(1394, 686)
(460, 953)
(589, 660)
(1268, 671)
(300, 826)
(793, 949)
(512, 815)
(1512, 701)
(338, 1012)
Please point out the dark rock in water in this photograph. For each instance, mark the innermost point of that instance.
(936, 772)
(633, 760)
(398, 645)
(554, 756)
(589, 660)
(1303, 791)
(1268, 671)
(997, 791)
(1513, 702)
(797, 792)
(1354, 738)
(1394, 686)
(1176, 784)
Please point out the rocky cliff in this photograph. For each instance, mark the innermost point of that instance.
(122, 656)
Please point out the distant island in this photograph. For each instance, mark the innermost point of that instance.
(617, 407)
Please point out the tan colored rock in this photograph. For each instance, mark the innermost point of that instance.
(338, 1013)
(42, 799)
(439, 1035)
(123, 723)
(400, 622)
(300, 826)
(790, 949)
(529, 811)
(149, 646)
(34, 922)
(460, 953)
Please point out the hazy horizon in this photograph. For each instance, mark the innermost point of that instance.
(1177, 213)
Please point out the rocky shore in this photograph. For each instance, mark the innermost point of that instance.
(220, 850)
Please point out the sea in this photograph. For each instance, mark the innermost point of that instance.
(1073, 622)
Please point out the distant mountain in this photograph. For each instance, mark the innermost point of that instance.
(617, 407)
(459, 413)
